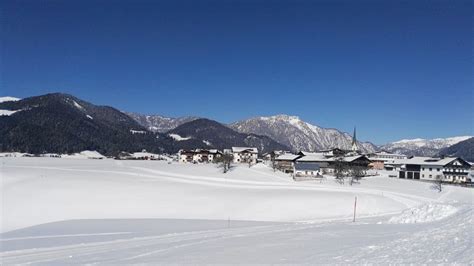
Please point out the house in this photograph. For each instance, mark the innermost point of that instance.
(285, 162)
(304, 169)
(206, 156)
(199, 155)
(357, 161)
(449, 169)
(335, 152)
(245, 155)
(379, 160)
(274, 154)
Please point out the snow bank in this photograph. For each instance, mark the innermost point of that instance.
(424, 214)
(7, 112)
(85, 155)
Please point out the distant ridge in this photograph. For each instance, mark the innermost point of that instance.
(298, 134)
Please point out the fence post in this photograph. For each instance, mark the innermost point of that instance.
(355, 207)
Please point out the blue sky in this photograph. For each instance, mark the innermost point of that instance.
(396, 69)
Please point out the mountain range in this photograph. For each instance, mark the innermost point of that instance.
(63, 123)
(299, 135)
(422, 147)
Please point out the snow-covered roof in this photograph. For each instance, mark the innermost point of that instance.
(352, 158)
(315, 157)
(287, 157)
(244, 149)
(428, 161)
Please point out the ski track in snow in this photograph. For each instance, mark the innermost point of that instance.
(449, 239)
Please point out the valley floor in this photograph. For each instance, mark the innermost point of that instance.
(59, 211)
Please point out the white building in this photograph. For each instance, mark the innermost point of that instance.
(381, 160)
(245, 155)
(449, 169)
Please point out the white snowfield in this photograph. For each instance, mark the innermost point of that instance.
(71, 211)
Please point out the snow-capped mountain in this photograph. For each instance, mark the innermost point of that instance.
(299, 135)
(158, 123)
(422, 147)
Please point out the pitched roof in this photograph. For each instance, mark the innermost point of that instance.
(287, 157)
(244, 149)
(428, 161)
(314, 157)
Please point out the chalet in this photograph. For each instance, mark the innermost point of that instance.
(449, 169)
(245, 154)
(199, 155)
(304, 169)
(285, 162)
(357, 160)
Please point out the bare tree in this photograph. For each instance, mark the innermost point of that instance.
(438, 183)
(357, 172)
(339, 169)
(274, 164)
(225, 161)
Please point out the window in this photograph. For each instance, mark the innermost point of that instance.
(431, 169)
(437, 169)
(423, 175)
(430, 176)
(423, 169)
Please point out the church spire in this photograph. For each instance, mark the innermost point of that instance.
(354, 141)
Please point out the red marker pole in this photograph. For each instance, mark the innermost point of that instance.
(355, 207)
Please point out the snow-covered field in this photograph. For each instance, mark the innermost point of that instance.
(60, 211)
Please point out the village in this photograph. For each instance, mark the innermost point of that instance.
(340, 163)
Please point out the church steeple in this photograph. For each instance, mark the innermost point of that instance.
(354, 141)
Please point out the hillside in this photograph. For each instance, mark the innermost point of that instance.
(62, 123)
(205, 133)
(158, 123)
(464, 149)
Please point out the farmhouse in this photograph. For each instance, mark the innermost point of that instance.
(449, 169)
(245, 154)
(199, 155)
(285, 162)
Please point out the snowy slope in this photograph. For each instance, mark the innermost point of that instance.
(158, 123)
(146, 212)
(422, 147)
(297, 134)
(8, 99)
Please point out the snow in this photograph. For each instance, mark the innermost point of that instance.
(7, 112)
(90, 117)
(208, 143)
(84, 155)
(424, 214)
(78, 106)
(137, 131)
(178, 137)
(70, 211)
(8, 99)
